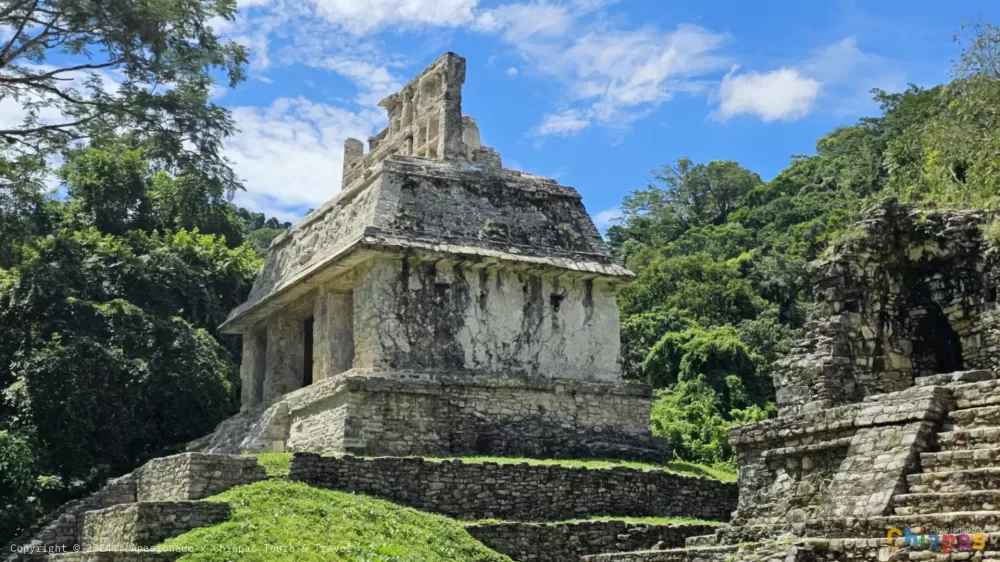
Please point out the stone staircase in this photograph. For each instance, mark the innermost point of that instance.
(160, 500)
(954, 489)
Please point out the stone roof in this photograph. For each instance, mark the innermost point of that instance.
(427, 186)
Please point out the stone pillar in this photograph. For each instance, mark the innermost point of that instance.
(259, 368)
(333, 346)
(452, 145)
(253, 369)
(285, 356)
(248, 367)
(341, 332)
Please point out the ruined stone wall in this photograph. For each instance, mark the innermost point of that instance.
(162, 481)
(193, 476)
(452, 415)
(421, 315)
(838, 462)
(62, 527)
(140, 525)
(425, 120)
(910, 293)
(567, 542)
(518, 492)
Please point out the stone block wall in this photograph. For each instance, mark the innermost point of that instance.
(845, 461)
(567, 542)
(140, 525)
(912, 294)
(194, 476)
(187, 476)
(519, 492)
(61, 528)
(372, 413)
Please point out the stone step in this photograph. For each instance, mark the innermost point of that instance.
(926, 556)
(972, 418)
(946, 502)
(977, 394)
(701, 554)
(970, 480)
(802, 550)
(956, 378)
(145, 524)
(962, 459)
(866, 528)
(977, 438)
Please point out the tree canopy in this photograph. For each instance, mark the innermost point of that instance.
(111, 292)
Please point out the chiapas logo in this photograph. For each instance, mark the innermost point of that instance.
(946, 543)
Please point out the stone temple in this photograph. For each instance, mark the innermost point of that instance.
(439, 304)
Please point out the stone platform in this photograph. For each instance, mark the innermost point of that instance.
(385, 413)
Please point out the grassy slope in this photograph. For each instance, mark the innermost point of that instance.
(276, 464)
(277, 520)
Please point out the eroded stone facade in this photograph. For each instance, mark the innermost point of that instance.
(443, 304)
(911, 294)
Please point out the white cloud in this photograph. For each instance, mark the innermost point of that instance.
(512, 72)
(567, 122)
(290, 154)
(607, 218)
(783, 94)
(362, 18)
(616, 77)
(837, 77)
(376, 82)
(519, 22)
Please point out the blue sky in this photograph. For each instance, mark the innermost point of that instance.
(595, 93)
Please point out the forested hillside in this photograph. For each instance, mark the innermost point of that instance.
(722, 257)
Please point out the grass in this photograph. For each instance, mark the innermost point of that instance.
(278, 520)
(276, 465)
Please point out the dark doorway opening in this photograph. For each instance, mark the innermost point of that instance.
(941, 346)
(307, 367)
